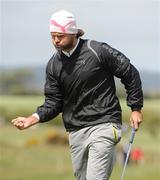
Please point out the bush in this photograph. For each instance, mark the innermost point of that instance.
(57, 137)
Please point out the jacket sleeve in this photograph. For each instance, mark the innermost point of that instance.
(119, 65)
(53, 98)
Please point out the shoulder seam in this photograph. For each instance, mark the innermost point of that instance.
(89, 46)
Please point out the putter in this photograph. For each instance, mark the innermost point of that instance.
(128, 152)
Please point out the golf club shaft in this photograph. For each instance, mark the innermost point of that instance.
(128, 152)
(126, 161)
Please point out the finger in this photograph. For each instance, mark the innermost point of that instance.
(18, 123)
(20, 127)
(136, 126)
(15, 123)
(14, 120)
(132, 125)
(139, 121)
(132, 122)
(17, 120)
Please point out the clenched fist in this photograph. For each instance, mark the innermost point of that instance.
(25, 122)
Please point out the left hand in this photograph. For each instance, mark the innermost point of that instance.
(136, 119)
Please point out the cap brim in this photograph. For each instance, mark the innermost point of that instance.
(80, 32)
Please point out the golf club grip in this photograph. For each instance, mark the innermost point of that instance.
(132, 135)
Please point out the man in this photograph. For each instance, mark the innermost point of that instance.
(80, 84)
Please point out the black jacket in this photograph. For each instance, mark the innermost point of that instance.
(83, 88)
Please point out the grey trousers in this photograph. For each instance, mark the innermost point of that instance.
(93, 151)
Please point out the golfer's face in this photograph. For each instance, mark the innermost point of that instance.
(63, 41)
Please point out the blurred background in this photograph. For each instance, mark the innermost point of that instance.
(42, 152)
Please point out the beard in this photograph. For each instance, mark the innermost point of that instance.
(66, 46)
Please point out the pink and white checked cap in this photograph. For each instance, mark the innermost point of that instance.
(64, 22)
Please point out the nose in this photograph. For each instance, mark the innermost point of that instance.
(56, 39)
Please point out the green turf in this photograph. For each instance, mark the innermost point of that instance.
(49, 162)
(40, 161)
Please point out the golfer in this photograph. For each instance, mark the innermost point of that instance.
(80, 85)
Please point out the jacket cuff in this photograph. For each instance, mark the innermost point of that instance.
(136, 108)
(36, 115)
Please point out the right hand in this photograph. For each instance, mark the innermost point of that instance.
(136, 119)
(24, 122)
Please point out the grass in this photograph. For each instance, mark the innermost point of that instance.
(51, 162)
(22, 162)
(41, 161)
(13, 106)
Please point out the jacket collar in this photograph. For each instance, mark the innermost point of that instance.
(71, 51)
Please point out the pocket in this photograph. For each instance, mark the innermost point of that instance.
(70, 138)
(116, 129)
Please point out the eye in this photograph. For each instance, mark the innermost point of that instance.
(60, 36)
(57, 36)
